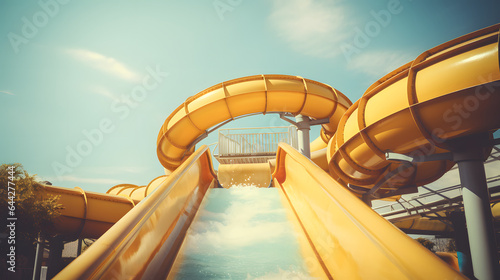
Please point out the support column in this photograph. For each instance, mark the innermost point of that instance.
(303, 127)
(477, 211)
(468, 152)
(79, 248)
(40, 247)
(55, 256)
(367, 199)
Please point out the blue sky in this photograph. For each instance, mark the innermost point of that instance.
(72, 68)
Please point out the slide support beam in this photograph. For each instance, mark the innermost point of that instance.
(303, 124)
(55, 256)
(478, 212)
(303, 128)
(40, 247)
(468, 152)
(79, 248)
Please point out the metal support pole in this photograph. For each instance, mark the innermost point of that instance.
(79, 248)
(477, 212)
(303, 127)
(55, 265)
(40, 247)
(367, 199)
(468, 153)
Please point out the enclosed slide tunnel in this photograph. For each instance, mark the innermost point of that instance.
(364, 131)
(89, 214)
(448, 92)
(243, 96)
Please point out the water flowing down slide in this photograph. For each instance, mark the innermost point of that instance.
(337, 235)
(243, 232)
(334, 234)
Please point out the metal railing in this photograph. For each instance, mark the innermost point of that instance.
(439, 198)
(234, 143)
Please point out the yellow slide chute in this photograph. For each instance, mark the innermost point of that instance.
(448, 92)
(244, 96)
(144, 243)
(83, 212)
(134, 191)
(345, 238)
(348, 237)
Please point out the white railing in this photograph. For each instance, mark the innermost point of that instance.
(234, 143)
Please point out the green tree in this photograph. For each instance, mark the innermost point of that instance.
(32, 212)
(22, 197)
(426, 243)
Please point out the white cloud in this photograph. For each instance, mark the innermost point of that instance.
(104, 63)
(379, 63)
(7, 92)
(311, 27)
(321, 27)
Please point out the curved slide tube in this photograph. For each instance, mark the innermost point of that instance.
(87, 214)
(134, 191)
(144, 243)
(360, 243)
(127, 190)
(244, 96)
(350, 240)
(448, 92)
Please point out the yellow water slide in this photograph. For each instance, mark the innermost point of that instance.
(447, 92)
(144, 243)
(246, 96)
(223, 102)
(87, 214)
(347, 238)
(350, 240)
(412, 108)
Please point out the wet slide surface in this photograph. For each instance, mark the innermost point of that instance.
(241, 233)
(350, 240)
(307, 227)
